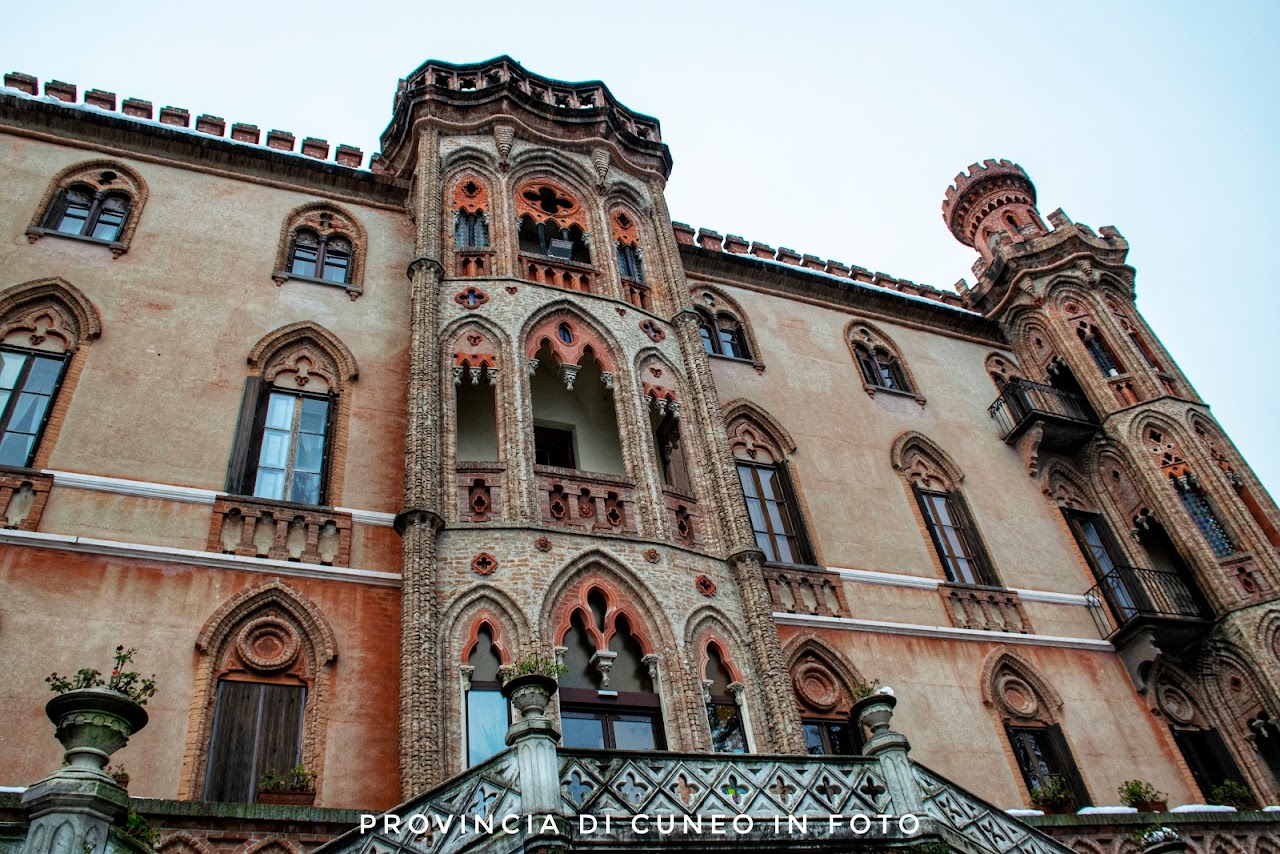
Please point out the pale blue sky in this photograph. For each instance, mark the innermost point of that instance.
(830, 128)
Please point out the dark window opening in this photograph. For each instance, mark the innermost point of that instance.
(548, 239)
(471, 231)
(553, 447)
(1207, 521)
(1101, 354)
(29, 381)
(881, 369)
(1208, 758)
(832, 737)
(1043, 757)
(671, 457)
(723, 335)
(82, 211)
(629, 262)
(770, 504)
(955, 537)
(723, 715)
(257, 728)
(325, 257)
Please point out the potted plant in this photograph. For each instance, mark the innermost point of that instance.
(1233, 794)
(118, 774)
(96, 716)
(1142, 795)
(1053, 796)
(532, 682)
(296, 787)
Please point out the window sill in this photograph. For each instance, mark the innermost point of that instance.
(759, 366)
(353, 290)
(117, 248)
(873, 390)
(809, 567)
(287, 505)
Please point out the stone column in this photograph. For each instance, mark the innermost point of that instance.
(422, 759)
(892, 749)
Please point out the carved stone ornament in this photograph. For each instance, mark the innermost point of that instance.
(1016, 697)
(705, 585)
(652, 555)
(1175, 704)
(484, 564)
(816, 687)
(542, 544)
(268, 644)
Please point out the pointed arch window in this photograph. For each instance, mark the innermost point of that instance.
(771, 506)
(98, 201)
(879, 361)
(488, 714)
(725, 713)
(608, 697)
(324, 244)
(723, 335)
(29, 381)
(1201, 512)
(1098, 350)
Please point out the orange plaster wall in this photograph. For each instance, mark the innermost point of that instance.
(63, 611)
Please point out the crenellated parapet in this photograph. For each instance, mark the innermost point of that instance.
(477, 94)
(992, 198)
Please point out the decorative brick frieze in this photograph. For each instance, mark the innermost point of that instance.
(586, 502)
(797, 590)
(254, 527)
(992, 609)
(480, 492)
(23, 493)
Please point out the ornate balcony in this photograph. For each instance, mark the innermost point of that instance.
(557, 273)
(475, 262)
(255, 527)
(586, 501)
(1146, 598)
(1065, 419)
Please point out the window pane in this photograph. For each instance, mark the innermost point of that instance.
(15, 449)
(707, 343)
(310, 452)
(315, 413)
(280, 411)
(726, 728)
(76, 212)
(10, 366)
(813, 739)
(275, 449)
(634, 734)
(581, 730)
(43, 377)
(306, 253)
(486, 724)
(27, 413)
(108, 225)
(270, 484)
(335, 267)
(306, 488)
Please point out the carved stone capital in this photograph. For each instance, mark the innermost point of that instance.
(422, 261)
(417, 516)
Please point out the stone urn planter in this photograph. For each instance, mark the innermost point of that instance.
(874, 712)
(287, 799)
(94, 723)
(530, 693)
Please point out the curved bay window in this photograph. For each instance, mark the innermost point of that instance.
(29, 381)
(608, 698)
(488, 715)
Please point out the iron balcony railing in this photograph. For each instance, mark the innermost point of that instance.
(1134, 594)
(1021, 400)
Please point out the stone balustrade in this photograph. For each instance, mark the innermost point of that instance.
(992, 609)
(801, 591)
(560, 274)
(586, 501)
(255, 527)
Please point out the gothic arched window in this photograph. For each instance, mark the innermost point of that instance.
(723, 694)
(879, 361)
(487, 711)
(324, 244)
(770, 494)
(98, 201)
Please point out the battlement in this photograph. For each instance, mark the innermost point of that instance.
(732, 244)
(971, 190)
(178, 117)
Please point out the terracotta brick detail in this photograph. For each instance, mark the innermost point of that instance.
(100, 99)
(253, 527)
(801, 591)
(212, 125)
(22, 82)
(317, 148)
(992, 609)
(349, 155)
(246, 133)
(61, 91)
(280, 139)
(23, 494)
(175, 116)
(138, 108)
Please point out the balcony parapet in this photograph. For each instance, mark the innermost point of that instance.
(557, 273)
(992, 609)
(280, 530)
(798, 590)
(1065, 420)
(589, 502)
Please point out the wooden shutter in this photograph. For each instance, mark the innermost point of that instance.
(231, 749)
(280, 729)
(977, 552)
(1067, 766)
(804, 548)
(241, 462)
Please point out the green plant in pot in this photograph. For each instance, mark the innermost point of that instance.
(117, 773)
(532, 682)
(1142, 795)
(95, 717)
(295, 787)
(1053, 796)
(1233, 794)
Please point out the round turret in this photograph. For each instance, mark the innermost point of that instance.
(993, 198)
